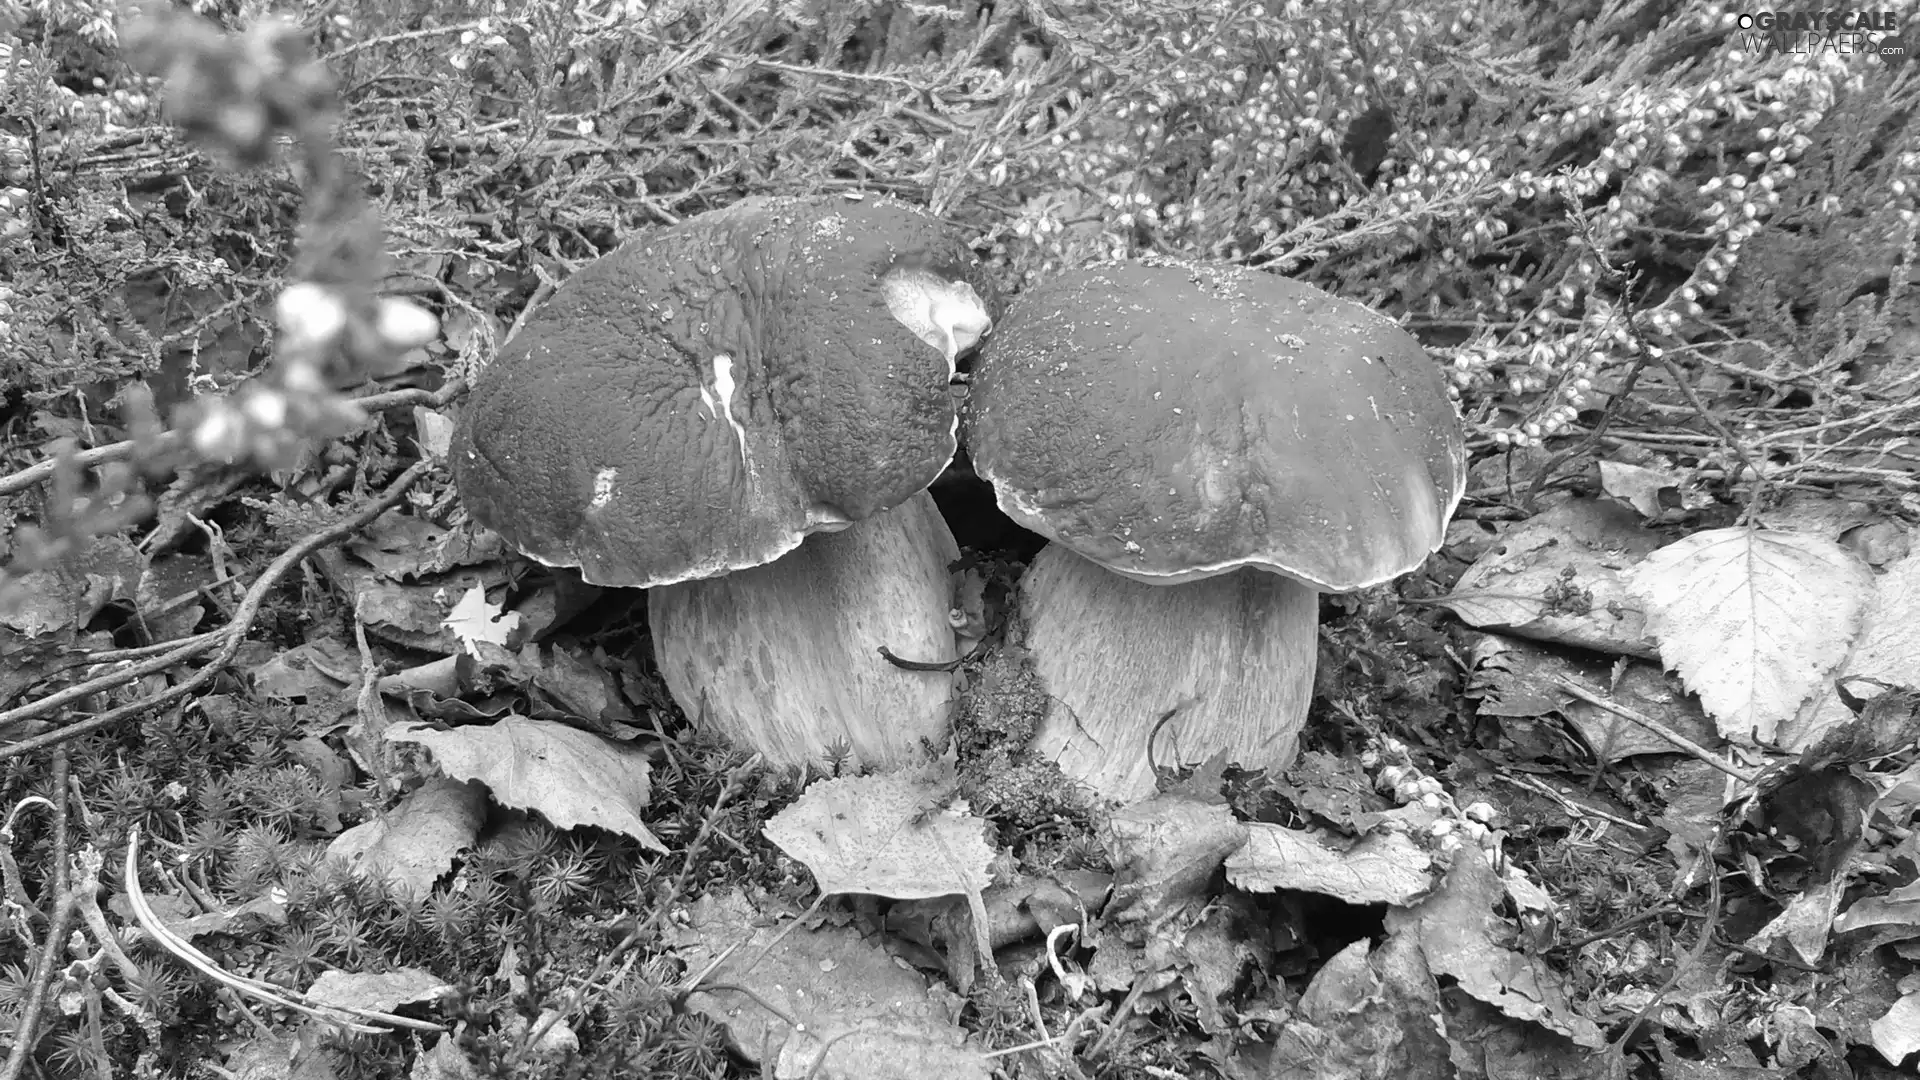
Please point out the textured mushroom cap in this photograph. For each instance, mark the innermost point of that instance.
(702, 398)
(1172, 421)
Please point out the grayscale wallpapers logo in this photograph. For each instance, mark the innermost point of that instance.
(1815, 33)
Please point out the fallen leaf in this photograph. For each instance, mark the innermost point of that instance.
(1897, 1034)
(859, 834)
(1383, 868)
(1365, 1016)
(1888, 648)
(398, 544)
(870, 1018)
(1639, 486)
(474, 620)
(444, 1061)
(1560, 577)
(413, 844)
(1752, 620)
(1515, 678)
(1164, 852)
(68, 594)
(1458, 930)
(569, 776)
(384, 992)
(272, 1056)
(313, 671)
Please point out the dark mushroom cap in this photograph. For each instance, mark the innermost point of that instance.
(702, 398)
(1173, 421)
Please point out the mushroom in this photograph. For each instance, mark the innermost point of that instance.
(1206, 448)
(690, 408)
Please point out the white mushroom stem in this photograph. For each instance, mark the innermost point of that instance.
(784, 658)
(1231, 656)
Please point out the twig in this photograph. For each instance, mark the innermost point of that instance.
(1658, 728)
(345, 51)
(229, 638)
(346, 1016)
(920, 665)
(60, 916)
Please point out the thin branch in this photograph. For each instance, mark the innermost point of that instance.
(60, 910)
(229, 638)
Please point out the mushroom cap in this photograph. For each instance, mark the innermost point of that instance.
(702, 398)
(1173, 421)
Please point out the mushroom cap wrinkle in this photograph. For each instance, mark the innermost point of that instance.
(701, 399)
(1172, 421)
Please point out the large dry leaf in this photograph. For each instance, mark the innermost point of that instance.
(870, 1017)
(569, 776)
(884, 835)
(413, 844)
(1752, 620)
(1383, 868)
(1461, 937)
(1887, 649)
(1560, 577)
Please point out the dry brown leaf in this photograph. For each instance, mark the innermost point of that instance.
(1752, 620)
(384, 992)
(1459, 933)
(1383, 868)
(413, 844)
(883, 834)
(873, 1019)
(1888, 649)
(569, 776)
(1559, 577)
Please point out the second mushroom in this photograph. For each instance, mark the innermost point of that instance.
(1207, 448)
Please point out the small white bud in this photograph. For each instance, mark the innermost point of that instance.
(310, 316)
(405, 325)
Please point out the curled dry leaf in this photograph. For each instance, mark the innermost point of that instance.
(379, 993)
(1383, 868)
(569, 776)
(1753, 621)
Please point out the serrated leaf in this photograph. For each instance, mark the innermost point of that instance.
(1752, 620)
(1887, 649)
(571, 777)
(875, 834)
(474, 620)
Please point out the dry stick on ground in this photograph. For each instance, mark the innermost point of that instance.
(228, 639)
(42, 471)
(59, 917)
(1660, 729)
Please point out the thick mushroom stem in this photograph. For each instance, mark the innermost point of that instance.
(1231, 656)
(784, 658)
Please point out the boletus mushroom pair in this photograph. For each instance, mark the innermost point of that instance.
(1205, 448)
